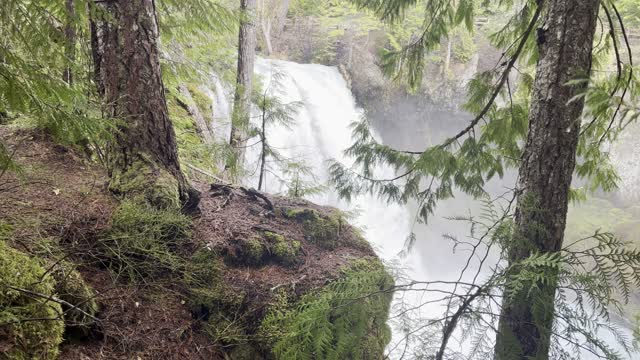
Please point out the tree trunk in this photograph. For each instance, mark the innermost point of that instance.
(70, 41)
(548, 163)
(266, 33)
(97, 50)
(263, 150)
(244, 85)
(192, 108)
(447, 60)
(145, 158)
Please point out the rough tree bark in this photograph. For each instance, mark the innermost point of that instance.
(565, 45)
(244, 85)
(144, 156)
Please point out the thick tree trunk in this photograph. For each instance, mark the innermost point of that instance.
(145, 157)
(70, 41)
(547, 166)
(244, 85)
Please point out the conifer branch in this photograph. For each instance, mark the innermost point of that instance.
(503, 79)
(626, 88)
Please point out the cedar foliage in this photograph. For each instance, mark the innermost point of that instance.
(344, 320)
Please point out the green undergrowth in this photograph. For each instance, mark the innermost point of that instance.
(344, 320)
(72, 288)
(210, 301)
(143, 241)
(73, 305)
(150, 247)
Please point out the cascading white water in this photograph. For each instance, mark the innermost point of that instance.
(321, 132)
(220, 97)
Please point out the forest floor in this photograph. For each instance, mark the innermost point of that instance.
(61, 197)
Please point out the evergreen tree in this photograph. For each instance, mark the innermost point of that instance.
(144, 157)
(272, 112)
(546, 170)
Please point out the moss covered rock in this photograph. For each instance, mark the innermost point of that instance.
(253, 251)
(329, 323)
(34, 329)
(323, 230)
(283, 250)
(71, 287)
(261, 250)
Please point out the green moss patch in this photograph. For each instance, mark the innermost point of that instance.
(323, 230)
(212, 302)
(145, 181)
(260, 250)
(344, 320)
(284, 250)
(32, 327)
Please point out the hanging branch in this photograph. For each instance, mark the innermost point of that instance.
(628, 84)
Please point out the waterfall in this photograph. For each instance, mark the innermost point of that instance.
(321, 132)
(220, 97)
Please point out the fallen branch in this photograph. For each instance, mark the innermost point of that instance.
(204, 172)
(255, 194)
(56, 300)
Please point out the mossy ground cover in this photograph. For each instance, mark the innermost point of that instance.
(31, 326)
(157, 280)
